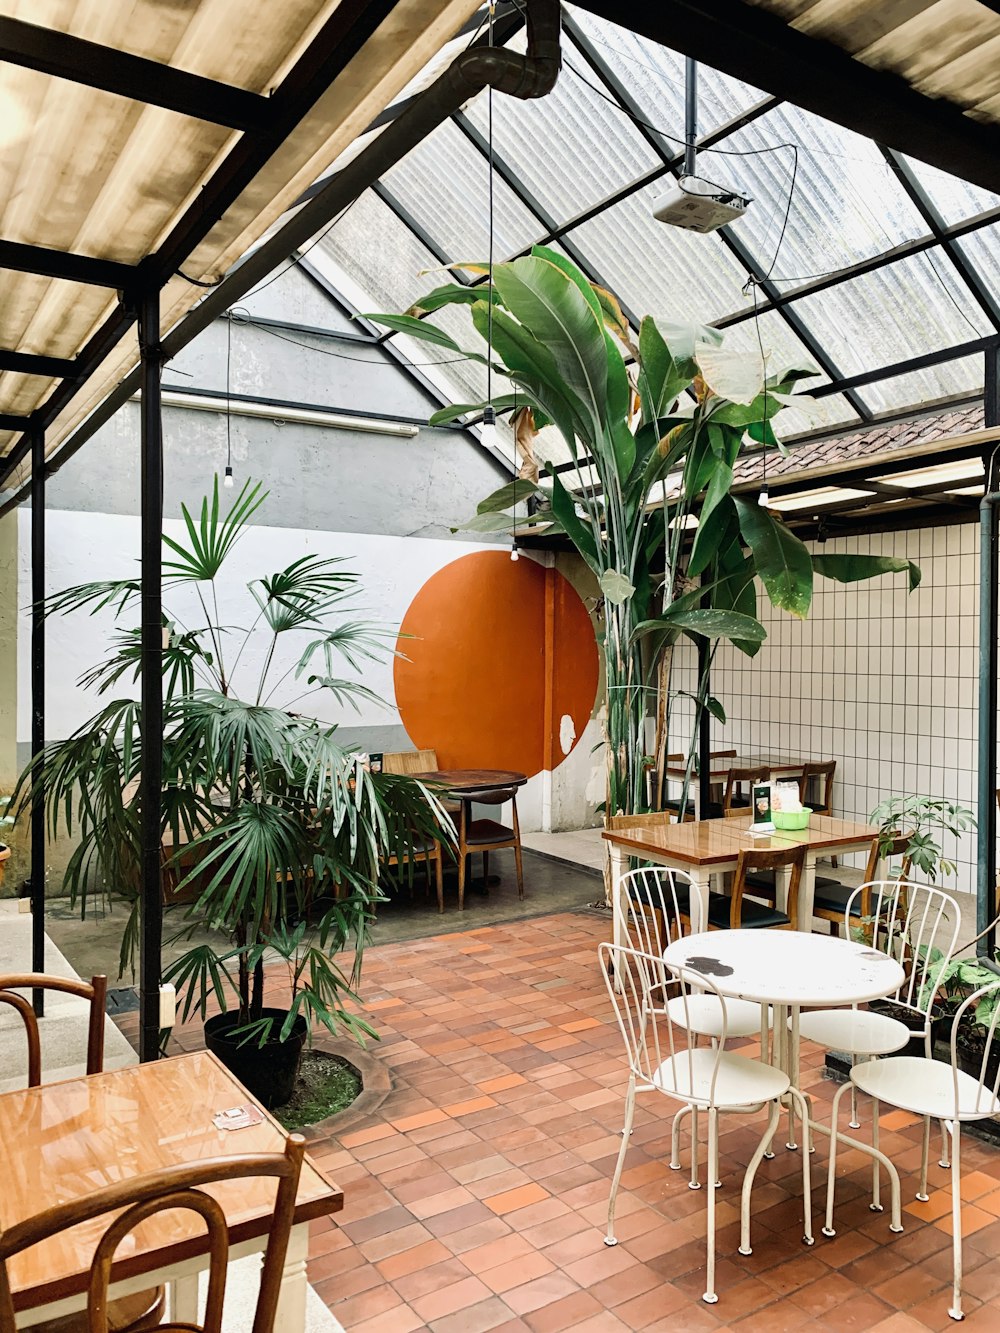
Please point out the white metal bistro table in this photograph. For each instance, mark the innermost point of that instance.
(787, 970)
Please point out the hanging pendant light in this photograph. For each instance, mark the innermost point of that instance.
(227, 479)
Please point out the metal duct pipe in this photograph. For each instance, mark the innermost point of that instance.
(523, 76)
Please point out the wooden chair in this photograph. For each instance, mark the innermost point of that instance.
(406, 763)
(94, 992)
(488, 835)
(819, 801)
(427, 850)
(831, 899)
(736, 801)
(674, 805)
(737, 911)
(175, 1187)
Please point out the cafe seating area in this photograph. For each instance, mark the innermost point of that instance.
(499, 666)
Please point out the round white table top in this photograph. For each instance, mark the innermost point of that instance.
(787, 966)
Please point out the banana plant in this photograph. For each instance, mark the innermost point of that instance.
(275, 822)
(653, 427)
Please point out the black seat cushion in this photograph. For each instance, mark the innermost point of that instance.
(483, 832)
(753, 916)
(763, 882)
(834, 898)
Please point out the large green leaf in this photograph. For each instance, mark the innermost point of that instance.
(579, 533)
(661, 377)
(424, 330)
(714, 520)
(514, 493)
(715, 624)
(213, 537)
(616, 587)
(453, 293)
(734, 588)
(854, 568)
(550, 304)
(781, 560)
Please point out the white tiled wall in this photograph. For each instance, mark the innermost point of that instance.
(882, 680)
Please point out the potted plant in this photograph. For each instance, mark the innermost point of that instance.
(275, 828)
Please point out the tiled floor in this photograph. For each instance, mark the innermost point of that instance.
(476, 1196)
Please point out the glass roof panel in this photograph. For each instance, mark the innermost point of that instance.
(951, 378)
(913, 306)
(846, 203)
(660, 270)
(983, 249)
(655, 78)
(954, 198)
(444, 184)
(566, 170)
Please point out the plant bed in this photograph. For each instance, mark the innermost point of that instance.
(324, 1086)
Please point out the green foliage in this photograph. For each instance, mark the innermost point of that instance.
(276, 826)
(675, 417)
(923, 819)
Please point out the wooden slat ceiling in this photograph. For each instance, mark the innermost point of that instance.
(121, 175)
(947, 49)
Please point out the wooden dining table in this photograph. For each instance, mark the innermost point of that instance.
(778, 765)
(708, 847)
(465, 782)
(64, 1140)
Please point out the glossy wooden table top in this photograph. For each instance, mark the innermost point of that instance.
(706, 842)
(473, 779)
(720, 766)
(64, 1140)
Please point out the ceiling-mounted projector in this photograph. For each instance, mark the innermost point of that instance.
(699, 205)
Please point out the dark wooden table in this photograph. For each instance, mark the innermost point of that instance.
(465, 782)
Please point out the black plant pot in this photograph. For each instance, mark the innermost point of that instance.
(940, 1025)
(267, 1071)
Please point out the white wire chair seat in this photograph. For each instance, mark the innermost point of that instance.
(727, 1081)
(934, 1090)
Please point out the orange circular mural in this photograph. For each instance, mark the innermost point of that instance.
(497, 654)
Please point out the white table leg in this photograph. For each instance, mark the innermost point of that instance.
(184, 1299)
(701, 880)
(618, 864)
(291, 1316)
(807, 892)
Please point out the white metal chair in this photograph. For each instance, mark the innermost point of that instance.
(918, 925)
(663, 1057)
(656, 902)
(931, 1089)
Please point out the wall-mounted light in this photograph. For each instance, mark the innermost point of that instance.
(306, 416)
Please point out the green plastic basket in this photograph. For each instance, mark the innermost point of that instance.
(788, 819)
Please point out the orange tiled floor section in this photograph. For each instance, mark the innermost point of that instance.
(476, 1196)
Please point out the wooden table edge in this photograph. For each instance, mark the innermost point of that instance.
(46, 1293)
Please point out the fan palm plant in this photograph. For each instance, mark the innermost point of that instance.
(653, 428)
(269, 816)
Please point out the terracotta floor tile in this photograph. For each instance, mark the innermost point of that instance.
(511, 1200)
(486, 1315)
(506, 1275)
(448, 1300)
(412, 1260)
(561, 1314)
(541, 1291)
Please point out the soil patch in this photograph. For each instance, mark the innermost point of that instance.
(324, 1085)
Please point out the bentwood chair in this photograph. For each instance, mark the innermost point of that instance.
(816, 789)
(93, 992)
(425, 849)
(737, 797)
(674, 804)
(654, 1011)
(932, 1089)
(737, 910)
(173, 1188)
(832, 897)
(918, 926)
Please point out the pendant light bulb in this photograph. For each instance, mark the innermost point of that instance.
(515, 554)
(227, 480)
(762, 499)
(488, 429)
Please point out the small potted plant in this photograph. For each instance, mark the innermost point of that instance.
(272, 828)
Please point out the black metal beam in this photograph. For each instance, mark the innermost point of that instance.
(729, 239)
(912, 363)
(114, 71)
(751, 43)
(989, 660)
(27, 363)
(151, 716)
(9, 421)
(37, 712)
(61, 264)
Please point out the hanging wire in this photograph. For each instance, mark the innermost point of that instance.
(229, 412)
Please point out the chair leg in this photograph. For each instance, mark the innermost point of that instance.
(925, 1148)
(854, 1122)
(519, 868)
(831, 1179)
(461, 879)
(439, 880)
(773, 1115)
(945, 1158)
(711, 1296)
(956, 1223)
(876, 1203)
(807, 1238)
(675, 1138)
(611, 1238)
(694, 1183)
(486, 870)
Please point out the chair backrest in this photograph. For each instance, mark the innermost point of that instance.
(753, 858)
(982, 1008)
(722, 754)
(736, 779)
(410, 761)
(823, 772)
(653, 1006)
(175, 1187)
(917, 925)
(652, 900)
(895, 846)
(95, 992)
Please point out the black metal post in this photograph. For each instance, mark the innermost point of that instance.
(690, 113)
(704, 732)
(37, 710)
(151, 724)
(989, 538)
